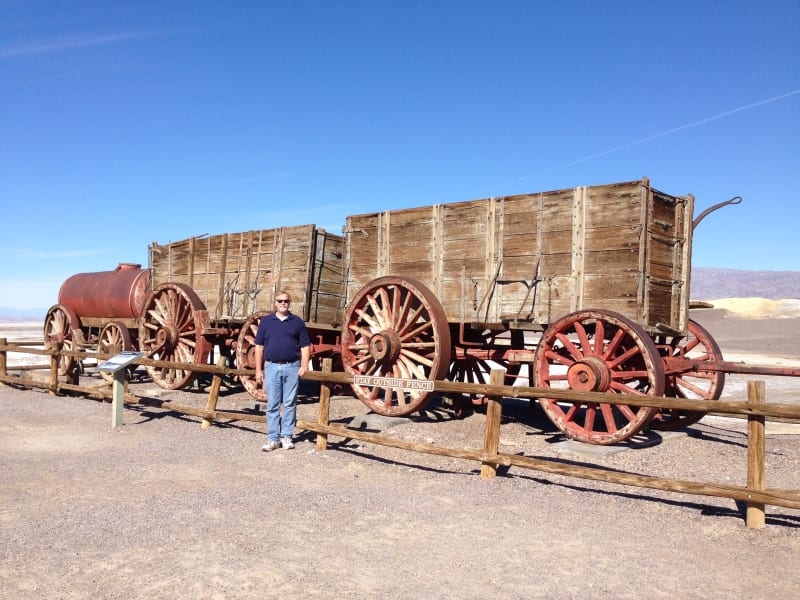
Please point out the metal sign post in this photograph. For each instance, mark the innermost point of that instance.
(116, 365)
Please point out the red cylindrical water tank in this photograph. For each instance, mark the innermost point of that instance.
(116, 294)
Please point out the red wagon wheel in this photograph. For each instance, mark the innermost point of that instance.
(246, 355)
(694, 384)
(598, 351)
(60, 325)
(395, 328)
(113, 339)
(169, 330)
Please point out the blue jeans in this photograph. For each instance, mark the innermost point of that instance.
(280, 384)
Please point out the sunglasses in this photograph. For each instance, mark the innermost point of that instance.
(282, 301)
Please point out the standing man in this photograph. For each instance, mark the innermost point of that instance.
(282, 353)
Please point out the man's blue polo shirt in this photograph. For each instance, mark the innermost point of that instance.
(282, 340)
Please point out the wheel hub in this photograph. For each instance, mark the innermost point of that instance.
(385, 346)
(167, 336)
(590, 374)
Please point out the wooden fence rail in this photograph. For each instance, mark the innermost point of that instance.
(755, 494)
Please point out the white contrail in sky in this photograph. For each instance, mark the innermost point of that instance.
(70, 44)
(683, 127)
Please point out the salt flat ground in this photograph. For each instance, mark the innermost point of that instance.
(162, 509)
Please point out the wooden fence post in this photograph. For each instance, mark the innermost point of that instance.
(323, 417)
(491, 436)
(213, 394)
(3, 363)
(54, 358)
(756, 450)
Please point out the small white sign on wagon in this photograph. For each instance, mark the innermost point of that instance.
(411, 385)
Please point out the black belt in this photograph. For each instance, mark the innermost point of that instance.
(281, 362)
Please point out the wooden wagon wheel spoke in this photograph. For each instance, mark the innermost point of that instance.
(607, 353)
(369, 320)
(411, 319)
(691, 383)
(614, 344)
(570, 348)
(379, 320)
(416, 332)
(395, 327)
(559, 358)
(113, 339)
(621, 377)
(412, 369)
(599, 338)
(386, 303)
(416, 357)
(626, 389)
(583, 339)
(60, 325)
(476, 368)
(402, 316)
(170, 331)
(246, 355)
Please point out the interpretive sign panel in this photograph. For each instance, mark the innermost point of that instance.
(118, 361)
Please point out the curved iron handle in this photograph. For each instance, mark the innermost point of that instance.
(710, 209)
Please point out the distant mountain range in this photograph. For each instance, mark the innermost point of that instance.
(22, 314)
(712, 284)
(706, 284)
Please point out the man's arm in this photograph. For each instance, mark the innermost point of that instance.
(259, 364)
(305, 356)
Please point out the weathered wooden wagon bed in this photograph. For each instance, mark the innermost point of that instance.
(528, 260)
(216, 289)
(237, 274)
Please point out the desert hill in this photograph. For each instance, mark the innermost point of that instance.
(710, 284)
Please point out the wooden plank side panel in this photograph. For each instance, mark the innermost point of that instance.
(465, 220)
(556, 299)
(327, 281)
(362, 245)
(521, 212)
(660, 304)
(668, 238)
(285, 265)
(462, 300)
(410, 248)
(610, 262)
(613, 206)
(611, 271)
(408, 251)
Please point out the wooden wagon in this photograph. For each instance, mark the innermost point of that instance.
(205, 293)
(584, 288)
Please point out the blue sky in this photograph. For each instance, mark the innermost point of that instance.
(124, 123)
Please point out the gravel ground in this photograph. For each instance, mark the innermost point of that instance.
(162, 509)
